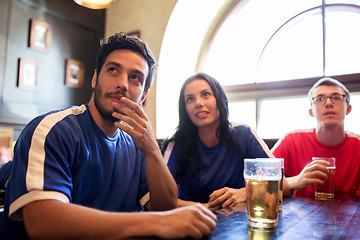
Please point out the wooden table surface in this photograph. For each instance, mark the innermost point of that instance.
(300, 219)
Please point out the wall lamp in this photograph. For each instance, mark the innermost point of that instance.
(95, 4)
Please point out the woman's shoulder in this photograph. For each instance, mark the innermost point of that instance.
(167, 150)
(241, 128)
(164, 143)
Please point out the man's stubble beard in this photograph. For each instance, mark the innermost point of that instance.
(107, 114)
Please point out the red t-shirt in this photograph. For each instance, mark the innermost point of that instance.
(298, 147)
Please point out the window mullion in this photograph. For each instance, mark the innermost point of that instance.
(323, 35)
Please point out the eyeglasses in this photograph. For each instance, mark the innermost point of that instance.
(335, 98)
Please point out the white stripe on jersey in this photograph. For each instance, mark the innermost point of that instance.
(35, 170)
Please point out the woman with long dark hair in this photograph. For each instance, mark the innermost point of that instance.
(206, 153)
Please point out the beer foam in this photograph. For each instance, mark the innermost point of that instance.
(265, 178)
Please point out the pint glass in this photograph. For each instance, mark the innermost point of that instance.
(262, 178)
(281, 185)
(326, 191)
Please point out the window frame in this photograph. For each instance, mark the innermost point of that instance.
(285, 88)
(277, 89)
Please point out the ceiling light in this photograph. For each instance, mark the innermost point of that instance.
(95, 4)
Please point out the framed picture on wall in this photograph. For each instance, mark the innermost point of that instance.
(6, 136)
(74, 73)
(28, 74)
(40, 35)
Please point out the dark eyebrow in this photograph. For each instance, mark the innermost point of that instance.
(139, 72)
(335, 93)
(205, 90)
(113, 63)
(119, 66)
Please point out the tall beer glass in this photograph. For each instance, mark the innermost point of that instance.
(326, 191)
(262, 178)
(281, 185)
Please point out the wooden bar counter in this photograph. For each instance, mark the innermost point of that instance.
(300, 218)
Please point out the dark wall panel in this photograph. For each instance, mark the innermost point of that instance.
(3, 31)
(76, 32)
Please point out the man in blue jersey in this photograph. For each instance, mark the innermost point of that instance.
(78, 172)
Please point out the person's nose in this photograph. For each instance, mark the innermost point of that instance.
(328, 102)
(122, 82)
(198, 102)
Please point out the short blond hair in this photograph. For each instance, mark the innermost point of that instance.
(327, 81)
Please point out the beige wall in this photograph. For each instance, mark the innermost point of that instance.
(150, 17)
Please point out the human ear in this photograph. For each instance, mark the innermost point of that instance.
(143, 97)
(94, 79)
(311, 113)
(348, 109)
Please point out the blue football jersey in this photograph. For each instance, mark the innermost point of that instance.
(64, 155)
(220, 166)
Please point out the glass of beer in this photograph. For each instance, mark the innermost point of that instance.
(281, 185)
(326, 191)
(262, 179)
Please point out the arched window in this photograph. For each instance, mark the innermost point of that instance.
(267, 55)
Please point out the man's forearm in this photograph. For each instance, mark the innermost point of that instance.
(52, 219)
(162, 187)
(290, 184)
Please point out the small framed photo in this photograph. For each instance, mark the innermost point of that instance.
(134, 34)
(74, 73)
(40, 35)
(28, 74)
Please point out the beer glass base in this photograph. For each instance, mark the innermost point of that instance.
(263, 223)
(323, 196)
(261, 233)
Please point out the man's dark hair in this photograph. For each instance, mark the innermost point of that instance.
(122, 41)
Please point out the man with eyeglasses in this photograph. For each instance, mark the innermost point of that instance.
(330, 103)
